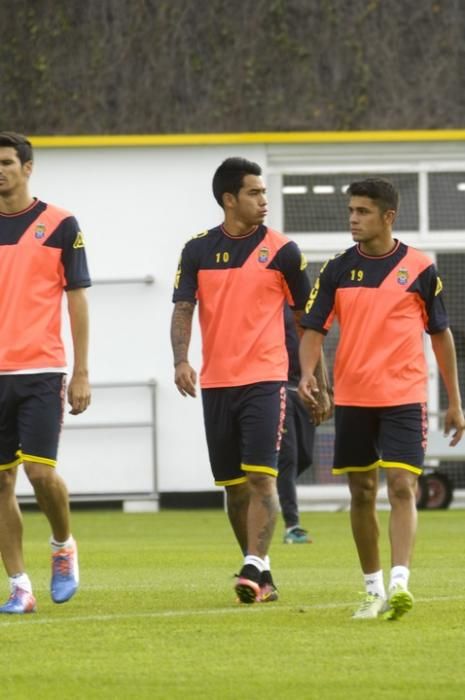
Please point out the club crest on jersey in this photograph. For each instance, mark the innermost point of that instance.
(263, 255)
(402, 276)
(40, 231)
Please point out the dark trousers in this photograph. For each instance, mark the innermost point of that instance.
(295, 456)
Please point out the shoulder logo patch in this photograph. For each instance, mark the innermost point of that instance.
(200, 235)
(263, 255)
(303, 261)
(438, 287)
(402, 276)
(78, 241)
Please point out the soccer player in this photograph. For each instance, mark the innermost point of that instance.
(241, 273)
(41, 255)
(296, 452)
(384, 295)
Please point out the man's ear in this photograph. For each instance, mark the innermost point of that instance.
(390, 216)
(27, 167)
(229, 200)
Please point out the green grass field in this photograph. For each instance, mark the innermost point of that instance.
(155, 616)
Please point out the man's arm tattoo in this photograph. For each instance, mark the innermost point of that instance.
(181, 328)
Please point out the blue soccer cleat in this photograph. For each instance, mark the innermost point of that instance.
(297, 535)
(19, 602)
(65, 573)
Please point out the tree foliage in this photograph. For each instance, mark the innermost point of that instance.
(180, 66)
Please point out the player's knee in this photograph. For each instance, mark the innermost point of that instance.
(39, 474)
(264, 483)
(237, 493)
(402, 487)
(363, 491)
(7, 482)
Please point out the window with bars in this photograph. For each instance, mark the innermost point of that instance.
(318, 203)
(446, 201)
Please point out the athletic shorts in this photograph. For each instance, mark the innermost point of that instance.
(243, 425)
(389, 436)
(31, 416)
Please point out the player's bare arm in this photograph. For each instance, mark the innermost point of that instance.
(323, 410)
(320, 403)
(297, 316)
(185, 376)
(79, 394)
(321, 371)
(310, 352)
(444, 350)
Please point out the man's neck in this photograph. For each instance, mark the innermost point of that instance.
(12, 204)
(235, 227)
(378, 248)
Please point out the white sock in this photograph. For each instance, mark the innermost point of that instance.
(374, 583)
(255, 561)
(399, 577)
(61, 545)
(21, 581)
(267, 563)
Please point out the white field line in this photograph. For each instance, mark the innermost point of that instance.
(33, 619)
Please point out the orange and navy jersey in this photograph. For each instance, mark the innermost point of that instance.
(241, 284)
(383, 306)
(41, 254)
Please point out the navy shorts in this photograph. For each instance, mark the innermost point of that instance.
(389, 436)
(243, 425)
(31, 416)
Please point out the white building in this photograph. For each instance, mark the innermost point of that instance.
(138, 199)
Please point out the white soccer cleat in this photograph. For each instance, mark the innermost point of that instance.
(370, 608)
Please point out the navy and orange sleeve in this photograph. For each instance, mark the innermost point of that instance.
(428, 286)
(186, 283)
(68, 237)
(319, 307)
(74, 256)
(292, 263)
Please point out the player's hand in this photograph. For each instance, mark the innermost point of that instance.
(79, 394)
(309, 393)
(324, 407)
(185, 378)
(308, 390)
(454, 419)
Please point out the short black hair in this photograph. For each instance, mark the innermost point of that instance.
(20, 143)
(379, 190)
(229, 176)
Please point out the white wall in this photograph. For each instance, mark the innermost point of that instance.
(136, 207)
